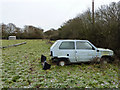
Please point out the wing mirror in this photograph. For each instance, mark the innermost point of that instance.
(97, 50)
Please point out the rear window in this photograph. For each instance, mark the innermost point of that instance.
(67, 45)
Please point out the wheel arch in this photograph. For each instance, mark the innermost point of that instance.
(66, 59)
(57, 59)
(107, 57)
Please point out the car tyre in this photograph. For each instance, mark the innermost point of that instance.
(61, 63)
(103, 60)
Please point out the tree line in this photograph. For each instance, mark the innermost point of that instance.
(28, 32)
(104, 32)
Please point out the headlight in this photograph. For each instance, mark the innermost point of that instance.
(111, 53)
(105, 53)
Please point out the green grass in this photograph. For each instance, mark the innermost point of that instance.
(22, 69)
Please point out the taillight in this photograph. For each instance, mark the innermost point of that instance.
(51, 53)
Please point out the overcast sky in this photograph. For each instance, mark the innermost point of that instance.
(46, 14)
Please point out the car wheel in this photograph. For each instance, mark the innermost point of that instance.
(104, 60)
(62, 63)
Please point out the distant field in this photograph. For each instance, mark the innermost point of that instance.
(22, 69)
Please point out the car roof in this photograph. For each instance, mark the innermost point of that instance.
(74, 40)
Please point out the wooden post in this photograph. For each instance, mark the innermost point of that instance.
(13, 45)
(93, 12)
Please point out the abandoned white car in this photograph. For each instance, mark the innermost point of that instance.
(74, 51)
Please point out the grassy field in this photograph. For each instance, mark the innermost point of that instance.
(21, 68)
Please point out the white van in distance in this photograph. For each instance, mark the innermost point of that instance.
(74, 51)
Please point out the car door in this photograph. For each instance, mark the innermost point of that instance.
(67, 49)
(84, 51)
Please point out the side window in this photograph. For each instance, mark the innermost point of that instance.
(83, 45)
(67, 45)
